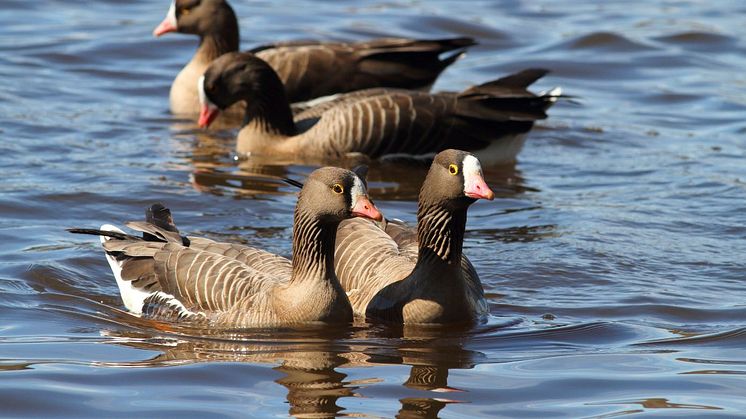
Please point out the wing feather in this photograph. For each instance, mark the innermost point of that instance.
(366, 260)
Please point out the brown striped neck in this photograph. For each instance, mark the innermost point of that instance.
(440, 233)
(313, 248)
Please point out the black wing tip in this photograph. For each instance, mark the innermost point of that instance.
(458, 42)
(522, 79)
(293, 182)
(76, 230)
(105, 233)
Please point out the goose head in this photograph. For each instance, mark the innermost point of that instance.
(236, 77)
(197, 17)
(455, 180)
(331, 194)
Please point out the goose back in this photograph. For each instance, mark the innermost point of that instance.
(311, 69)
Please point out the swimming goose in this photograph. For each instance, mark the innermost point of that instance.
(166, 276)
(309, 69)
(493, 117)
(418, 276)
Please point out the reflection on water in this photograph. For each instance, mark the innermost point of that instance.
(257, 175)
(311, 360)
(657, 403)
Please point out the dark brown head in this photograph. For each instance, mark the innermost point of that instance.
(238, 77)
(199, 17)
(455, 180)
(331, 194)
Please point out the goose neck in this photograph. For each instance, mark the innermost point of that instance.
(440, 232)
(313, 248)
(213, 45)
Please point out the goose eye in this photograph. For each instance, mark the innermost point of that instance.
(185, 11)
(453, 169)
(338, 189)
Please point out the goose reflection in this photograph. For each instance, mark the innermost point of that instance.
(431, 352)
(307, 358)
(311, 358)
(387, 180)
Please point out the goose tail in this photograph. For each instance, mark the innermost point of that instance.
(130, 257)
(132, 296)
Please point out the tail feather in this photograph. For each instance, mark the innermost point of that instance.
(500, 109)
(131, 258)
(521, 79)
(452, 58)
(507, 99)
(552, 96)
(159, 215)
(136, 249)
(152, 232)
(132, 297)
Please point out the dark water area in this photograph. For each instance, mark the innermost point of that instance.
(614, 256)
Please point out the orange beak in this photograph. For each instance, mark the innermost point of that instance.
(364, 208)
(477, 188)
(207, 115)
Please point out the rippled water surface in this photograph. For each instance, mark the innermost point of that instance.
(614, 256)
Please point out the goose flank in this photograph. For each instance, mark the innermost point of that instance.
(166, 276)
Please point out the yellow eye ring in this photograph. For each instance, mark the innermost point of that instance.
(338, 189)
(453, 169)
(185, 11)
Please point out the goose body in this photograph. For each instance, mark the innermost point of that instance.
(163, 275)
(405, 275)
(309, 69)
(492, 118)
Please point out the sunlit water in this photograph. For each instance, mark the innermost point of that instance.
(614, 256)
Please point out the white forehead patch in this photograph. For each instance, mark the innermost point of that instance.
(471, 167)
(171, 15)
(357, 190)
(203, 99)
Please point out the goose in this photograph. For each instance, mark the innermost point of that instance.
(412, 276)
(309, 69)
(492, 118)
(166, 276)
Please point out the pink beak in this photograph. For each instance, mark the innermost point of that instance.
(165, 27)
(207, 115)
(477, 188)
(364, 208)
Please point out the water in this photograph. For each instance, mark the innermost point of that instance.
(613, 256)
